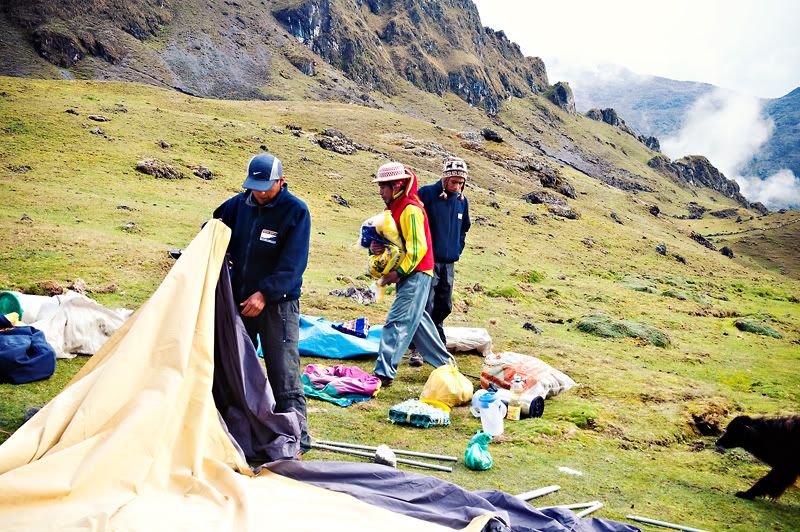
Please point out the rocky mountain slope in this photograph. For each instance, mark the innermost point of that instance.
(250, 49)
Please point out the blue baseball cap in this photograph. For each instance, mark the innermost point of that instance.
(263, 172)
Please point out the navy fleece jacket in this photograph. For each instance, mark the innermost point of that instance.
(448, 220)
(269, 245)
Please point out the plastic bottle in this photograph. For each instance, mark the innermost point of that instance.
(515, 402)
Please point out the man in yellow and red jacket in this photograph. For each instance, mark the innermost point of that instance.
(407, 319)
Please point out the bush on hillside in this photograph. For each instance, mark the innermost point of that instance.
(605, 326)
(535, 277)
(503, 291)
(638, 284)
(757, 327)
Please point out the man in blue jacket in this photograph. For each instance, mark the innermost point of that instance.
(448, 217)
(269, 243)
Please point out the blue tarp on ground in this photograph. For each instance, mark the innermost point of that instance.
(319, 339)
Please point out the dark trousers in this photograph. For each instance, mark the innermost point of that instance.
(278, 325)
(440, 296)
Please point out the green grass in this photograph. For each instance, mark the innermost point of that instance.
(631, 426)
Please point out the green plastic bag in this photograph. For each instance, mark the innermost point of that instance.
(477, 456)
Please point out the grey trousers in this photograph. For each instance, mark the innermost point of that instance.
(407, 321)
(278, 325)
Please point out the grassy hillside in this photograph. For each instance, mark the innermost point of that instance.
(631, 427)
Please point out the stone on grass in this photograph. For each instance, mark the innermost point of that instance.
(531, 218)
(564, 212)
(360, 294)
(491, 135)
(131, 227)
(340, 200)
(531, 327)
(661, 249)
(605, 326)
(203, 172)
(700, 239)
(99, 118)
(158, 168)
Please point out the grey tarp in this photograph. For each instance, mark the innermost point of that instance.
(438, 501)
(241, 392)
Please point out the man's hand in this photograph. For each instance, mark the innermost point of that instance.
(391, 277)
(376, 247)
(253, 305)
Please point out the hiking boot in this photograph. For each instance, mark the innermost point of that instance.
(385, 381)
(415, 359)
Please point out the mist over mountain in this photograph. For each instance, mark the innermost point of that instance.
(752, 140)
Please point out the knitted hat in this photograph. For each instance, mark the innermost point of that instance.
(455, 167)
(391, 172)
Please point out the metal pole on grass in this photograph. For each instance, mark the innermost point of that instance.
(396, 451)
(589, 507)
(368, 455)
(528, 495)
(662, 523)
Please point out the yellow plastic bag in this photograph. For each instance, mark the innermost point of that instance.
(448, 385)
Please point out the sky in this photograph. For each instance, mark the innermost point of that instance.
(750, 46)
(749, 49)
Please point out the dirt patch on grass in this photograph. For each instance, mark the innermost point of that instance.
(706, 417)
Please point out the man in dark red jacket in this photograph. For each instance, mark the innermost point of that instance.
(407, 319)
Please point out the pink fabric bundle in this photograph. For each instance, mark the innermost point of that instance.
(339, 379)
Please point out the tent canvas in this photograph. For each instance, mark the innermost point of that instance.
(135, 441)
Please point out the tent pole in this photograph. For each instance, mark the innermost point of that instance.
(396, 451)
(368, 455)
(528, 495)
(662, 523)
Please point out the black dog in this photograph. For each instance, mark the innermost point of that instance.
(774, 441)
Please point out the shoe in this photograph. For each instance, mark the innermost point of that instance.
(385, 381)
(415, 359)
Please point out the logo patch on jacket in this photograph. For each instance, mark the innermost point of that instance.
(460, 215)
(270, 237)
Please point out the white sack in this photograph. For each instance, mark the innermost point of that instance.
(462, 339)
(35, 308)
(80, 325)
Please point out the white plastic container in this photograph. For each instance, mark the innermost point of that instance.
(492, 417)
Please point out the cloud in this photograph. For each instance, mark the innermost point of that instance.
(729, 128)
(726, 127)
(780, 190)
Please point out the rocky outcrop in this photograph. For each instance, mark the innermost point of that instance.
(650, 142)
(610, 117)
(698, 171)
(561, 95)
(60, 35)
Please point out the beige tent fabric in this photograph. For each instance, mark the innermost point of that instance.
(135, 443)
